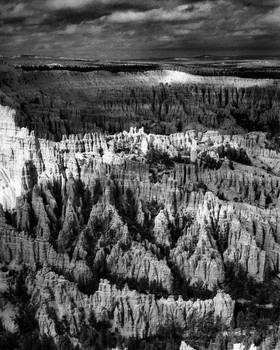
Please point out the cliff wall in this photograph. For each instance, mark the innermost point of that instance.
(54, 103)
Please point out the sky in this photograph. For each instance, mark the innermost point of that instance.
(123, 29)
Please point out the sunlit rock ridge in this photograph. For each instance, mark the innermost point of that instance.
(139, 208)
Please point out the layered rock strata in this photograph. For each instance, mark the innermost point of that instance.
(164, 101)
(117, 225)
(130, 313)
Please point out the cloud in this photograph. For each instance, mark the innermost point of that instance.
(70, 29)
(273, 17)
(15, 12)
(260, 4)
(83, 28)
(85, 10)
(76, 4)
(143, 27)
(179, 13)
(187, 28)
(17, 9)
(58, 4)
(246, 33)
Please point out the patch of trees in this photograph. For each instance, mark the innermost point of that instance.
(167, 338)
(201, 334)
(208, 161)
(230, 69)
(142, 285)
(126, 206)
(237, 155)
(187, 291)
(274, 142)
(24, 341)
(258, 304)
(158, 163)
(27, 336)
(198, 335)
(156, 158)
(113, 68)
(100, 335)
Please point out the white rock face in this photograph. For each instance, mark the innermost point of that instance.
(14, 153)
(238, 346)
(93, 206)
(8, 314)
(177, 77)
(185, 346)
(132, 311)
(161, 229)
(27, 161)
(253, 347)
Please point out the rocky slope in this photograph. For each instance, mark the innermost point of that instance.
(136, 236)
(163, 101)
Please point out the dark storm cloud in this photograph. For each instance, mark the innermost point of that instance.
(260, 4)
(64, 15)
(111, 28)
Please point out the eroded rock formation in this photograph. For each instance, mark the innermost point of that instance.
(142, 232)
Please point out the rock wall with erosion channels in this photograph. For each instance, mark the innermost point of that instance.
(54, 103)
(152, 230)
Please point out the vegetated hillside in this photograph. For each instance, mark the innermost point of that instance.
(60, 102)
(232, 71)
(113, 68)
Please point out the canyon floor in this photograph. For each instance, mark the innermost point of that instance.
(139, 204)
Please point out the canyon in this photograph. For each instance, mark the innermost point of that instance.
(140, 208)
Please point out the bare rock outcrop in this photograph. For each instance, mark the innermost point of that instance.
(137, 263)
(133, 314)
(111, 223)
